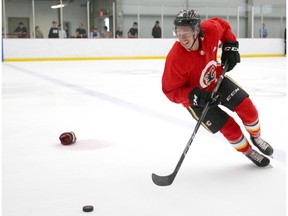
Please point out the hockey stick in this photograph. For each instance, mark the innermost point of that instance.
(168, 180)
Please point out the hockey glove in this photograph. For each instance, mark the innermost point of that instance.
(198, 97)
(67, 138)
(230, 54)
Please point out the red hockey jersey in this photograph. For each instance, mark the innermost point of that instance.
(186, 70)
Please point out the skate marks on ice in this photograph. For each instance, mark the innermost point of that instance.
(109, 98)
(263, 77)
(279, 155)
(119, 176)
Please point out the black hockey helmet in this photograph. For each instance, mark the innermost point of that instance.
(187, 18)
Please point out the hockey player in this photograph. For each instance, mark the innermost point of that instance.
(191, 72)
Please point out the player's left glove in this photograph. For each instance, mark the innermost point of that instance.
(198, 97)
(230, 54)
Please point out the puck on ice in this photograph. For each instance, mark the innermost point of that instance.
(88, 208)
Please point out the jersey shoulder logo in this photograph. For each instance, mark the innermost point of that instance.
(208, 74)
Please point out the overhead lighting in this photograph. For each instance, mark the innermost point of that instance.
(58, 6)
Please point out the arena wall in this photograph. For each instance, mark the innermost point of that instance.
(116, 49)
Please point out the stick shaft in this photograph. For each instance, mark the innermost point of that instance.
(167, 180)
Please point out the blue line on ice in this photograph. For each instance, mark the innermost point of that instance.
(109, 98)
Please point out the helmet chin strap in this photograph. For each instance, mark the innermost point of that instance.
(196, 35)
(190, 48)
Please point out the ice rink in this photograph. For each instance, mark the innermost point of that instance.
(126, 130)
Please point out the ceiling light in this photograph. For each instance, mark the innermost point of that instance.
(58, 6)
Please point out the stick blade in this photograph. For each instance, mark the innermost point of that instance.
(163, 180)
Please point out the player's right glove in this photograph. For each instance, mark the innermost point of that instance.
(198, 97)
(230, 54)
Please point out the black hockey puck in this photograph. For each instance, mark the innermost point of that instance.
(88, 208)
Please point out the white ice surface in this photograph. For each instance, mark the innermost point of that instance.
(127, 130)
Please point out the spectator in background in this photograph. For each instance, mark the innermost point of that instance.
(263, 32)
(156, 30)
(94, 33)
(106, 33)
(81, 32)
(66, 30)
(133, 32)
(62, 32)
(54, 31)
(285, 41)
(38, 32)
(21, 30)
(119, 32)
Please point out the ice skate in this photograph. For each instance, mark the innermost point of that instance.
(262, 145)
(258, 159)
